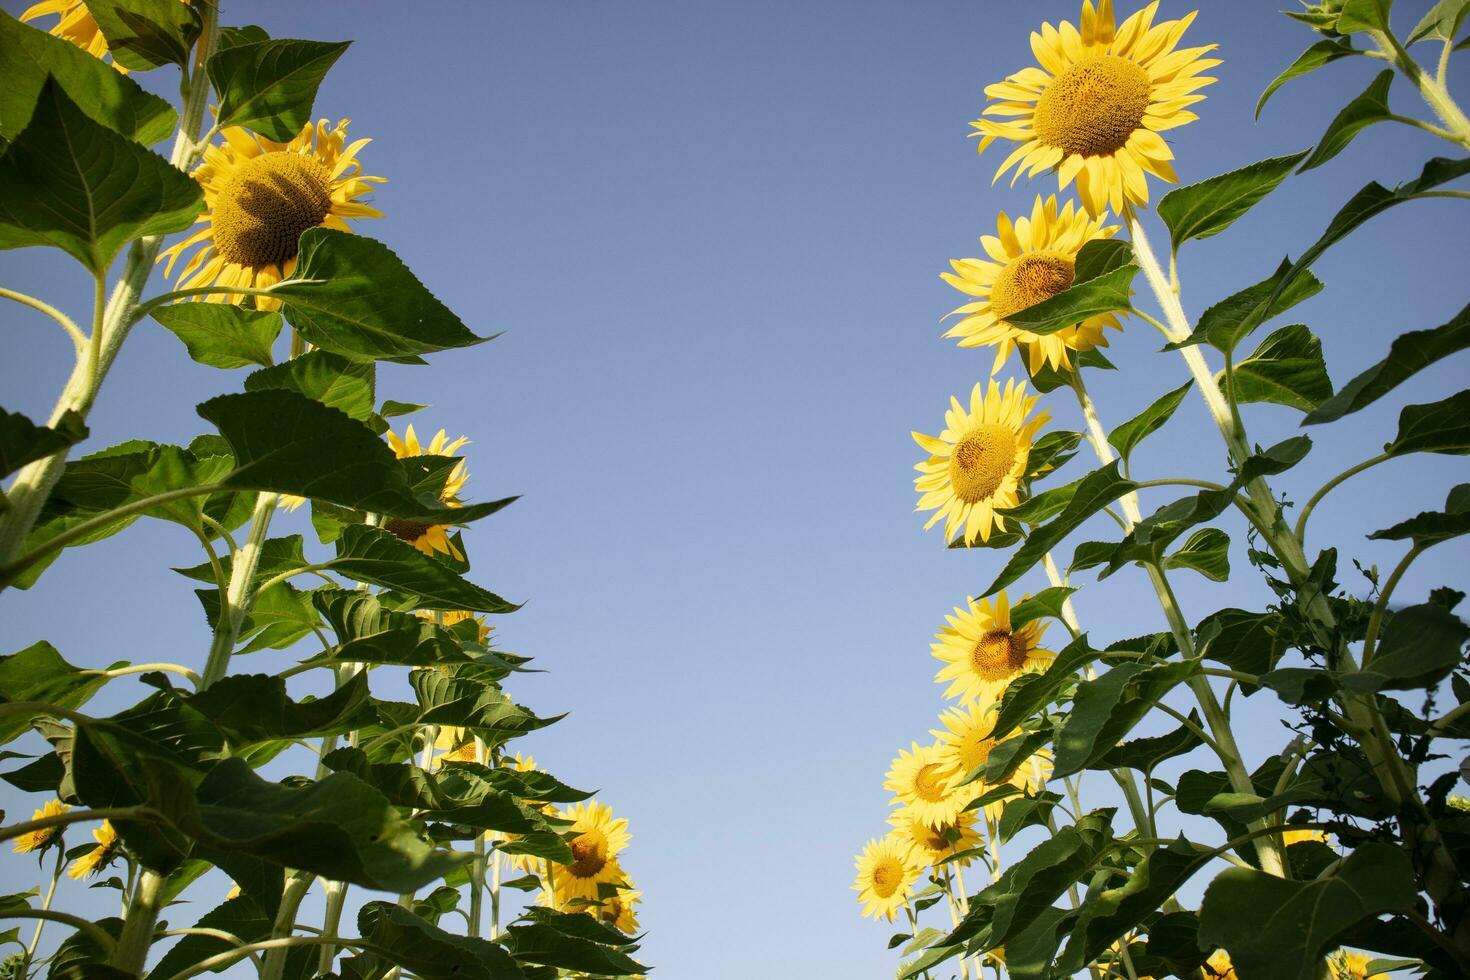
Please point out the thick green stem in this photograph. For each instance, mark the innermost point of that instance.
(241, 593)
(1433, 90)
(336, 899)
(131, 953)
(296, 888)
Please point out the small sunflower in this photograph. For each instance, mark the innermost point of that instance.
(39, 840)
(260, 196)
(975, 465)
(597, 839)
(620, 910)
(929, 845)
(922, 781)
(982, 654)
(1034, 261)
(455, 744)
(430, 538)
(98, 857)
(965, 744)
(1219, 967)
(1094, 109)
(885, 876)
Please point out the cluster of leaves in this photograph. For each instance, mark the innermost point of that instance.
(176, 774)
(1350, 835)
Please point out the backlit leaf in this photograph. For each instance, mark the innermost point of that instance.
(269, 86)
(1210, 206)
(334, 381)
(1231, 320)
(1439, 427)
(1319, 54)
(1207, 551)
(1432, 526)
(1368, 108)
(1108, 293)
(1129, 434)
(1287, 369)
(370, 554)
(222, 335)
(144, 34)
(23, 441)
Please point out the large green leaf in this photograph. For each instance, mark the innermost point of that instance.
(1106, 709)
(459, 695)
(241, 917)
(544, 944)
(268, 86)
(1441, 23)
(1434, 526)
(1420, 646)
(76, 185)
(1409, 354)
(353, 296)
(1276, 929)
(1319, 54)
(1210, 206)
(222, 335)
(1207, 551)
(28, 56)
(1107, 293)
(422, 948)
(372, 555)
(1368, 108)
(1144, 754)
(1029, 693)
(23, 441)
(1241, 640)
(1439, 427)
(1363, 15)
(144, 34)
(1287, 369)
(1231, 320)
(347, 386)
(251, 708)
(1129, 434)
(39, 673)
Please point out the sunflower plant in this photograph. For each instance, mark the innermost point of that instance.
(392, 785)
(1343, 853)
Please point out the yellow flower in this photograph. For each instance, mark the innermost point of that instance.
(1094, 108)
(597, 839)
(39, 840)
(885, 876)
(1348, 964)
(260, 196)
(454, 745)
(1034, 260)
(1219, 967)
(982, 654)
(965, 745)
(921, 780)
(929, 845)
(430, 538)
(98, 857)
(76, 24)
(1290, 837)
(619, 911)
(975, 465)
(453, 616)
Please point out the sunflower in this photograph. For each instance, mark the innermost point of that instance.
(453, 616)
(965, 744)
(430, 538)
(1219, 967)
(455, 744)
(1290, 837)
(922, 781)
(619, 910)
(885, 876)
(39, 840)
(98, 857)
(982, 654)
(1034, 260)
(1094, 109)
(596, 841)
(1348, 964)
(929, 845)
(76, 25)
(975, 465)
(260, 196)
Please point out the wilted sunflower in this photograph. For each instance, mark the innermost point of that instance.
(965, 745)
(76, 25)
(885, 876)
(921, 781)
(1034, 260)
(620, 910)
(1094, 109)
(982, 654)
(260, 196)
(430, 538)
(39, 840)
(596, 842)
(98, 857)
(928, 845)
(975, 465)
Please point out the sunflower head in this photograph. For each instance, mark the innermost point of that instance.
(99, 857)
(1031, 260)
(430, 538)
(924, 783)
(75, 25)
(1219, 967)
(1093, 107)
(39, 840)
(885, 876)
(982, 653)
(620, 910)
(930, 844)
(976, 463)
(1349, 964)
(595, 838)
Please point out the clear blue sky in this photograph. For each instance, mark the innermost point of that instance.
(712, 234)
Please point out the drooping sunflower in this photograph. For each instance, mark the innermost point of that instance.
(885, 876)
(39, 840)
(620, 910)
(597, 840)
(1034, 259)
(260, 196)
(430, 538)
(965, 743)
(928, 845)
(982, 654)
(921, 781)
(975, 465)
(1094, 108)
(99, 857)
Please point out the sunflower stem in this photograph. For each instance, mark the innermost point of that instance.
(1432, 90)
(236, 602)
(1301, 522)
(131, 952)
(78, 339)
(274, 961)
(45, 908)
(336, 899)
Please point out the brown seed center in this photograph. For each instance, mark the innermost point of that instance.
(998, 654)
(887, 876)
(980, 462)
(1029, 279)
(929, 783)
(1093, 107)
(590, 855)
(265, 205)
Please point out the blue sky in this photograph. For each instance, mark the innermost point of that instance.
(712, 234)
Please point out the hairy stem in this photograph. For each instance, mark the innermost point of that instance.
(236, 602)
(131, 952)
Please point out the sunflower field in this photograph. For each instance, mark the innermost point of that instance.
(395, 782)
(1343, 853)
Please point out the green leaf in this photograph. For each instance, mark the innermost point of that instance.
(1367, 109)
(1276, 928)
(1101, 256)
(1144, 754)
(1440, 427)
(39, 673)
(28, 56)
(1129, 434)
(222, 335)
(1245, 641)
(144, 34)
(353, 296)
(276, 555)
(1098, 489)
(372, 555)
(1364, 15)
(544, 944)
(1409, 354)
(1210, 206)
(1029, 952)
(427, 951)
(334, 381)
(250, 708)
(1029, 693)
(1287, 369)
(1319, 54)
(1207, 551)
(1231, 320)
(1441, 23)
(1420, 646)
(1430, 527)
(78, 186)
(23, 441)
(241, 917)
(269, 86)
(1106, 709)
(1046, 603)
(392, 408)
(1107, 293)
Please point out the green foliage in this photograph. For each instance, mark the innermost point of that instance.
(1209, 207)
(269, 86)
(144, 34)
(1129, 434)
(1365, 110)
(1441, 427)
(1287, 368)
(23, 441)
(1106, 293)
(1322, 53)
(222, 336)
